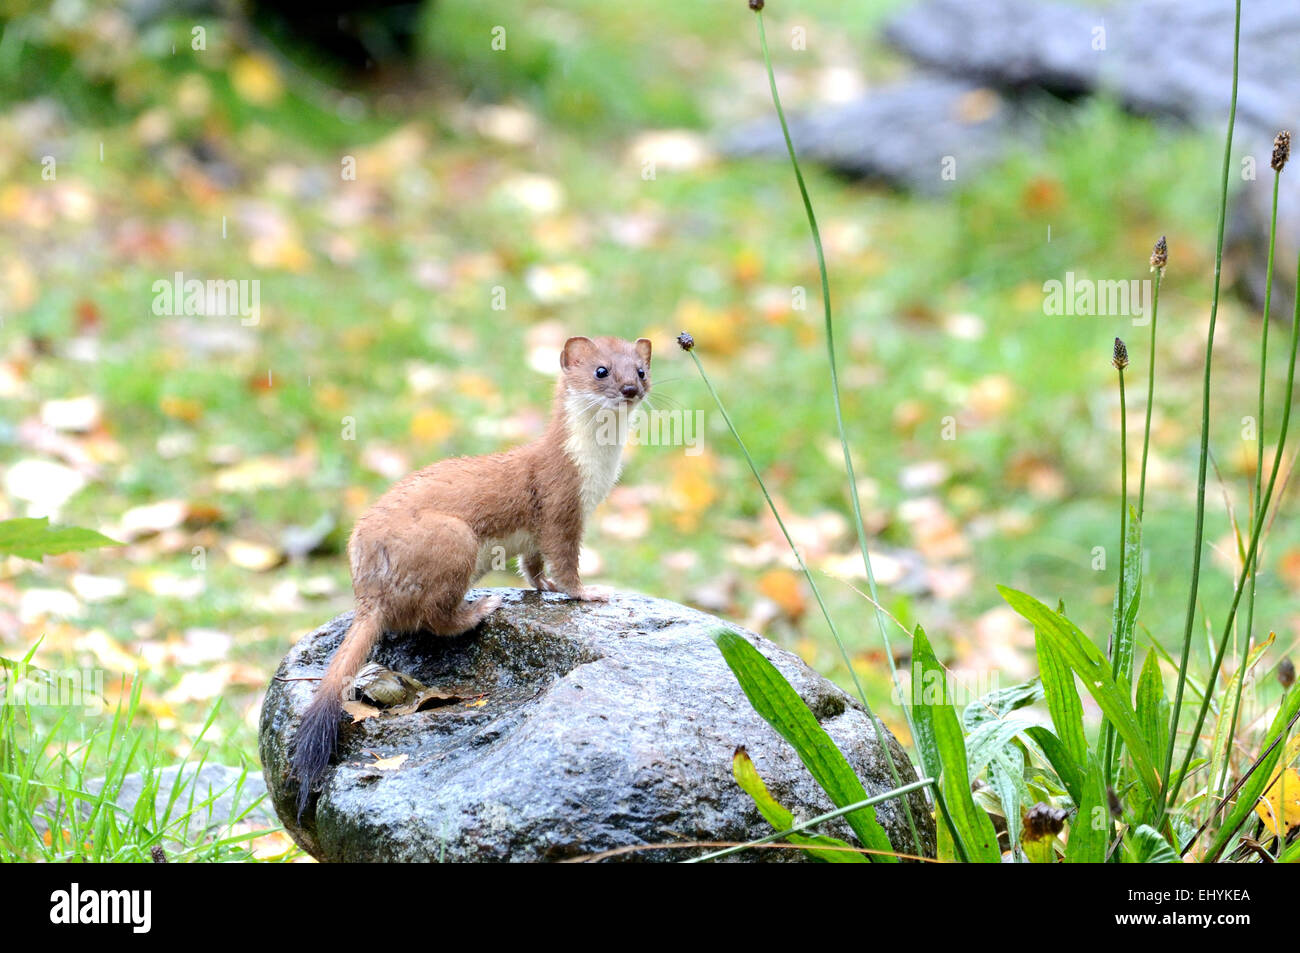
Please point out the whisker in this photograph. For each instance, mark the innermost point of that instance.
(671, 401)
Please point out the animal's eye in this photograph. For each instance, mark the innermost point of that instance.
(602, 372)
(640, 372)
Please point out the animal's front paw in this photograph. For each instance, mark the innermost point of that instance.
(544, 584)
(592, 594)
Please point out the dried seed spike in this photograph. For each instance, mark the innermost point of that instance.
(1120, 357)
(1042, 820)
(1281, 150)
(685, 341)
(1160, 255)
(756, 5)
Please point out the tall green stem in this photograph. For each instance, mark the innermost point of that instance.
(817, 594)
(835, 389)
(1199, 535)
(1151, 392)
(1259, 471)
(1251, 552)
(1121, 361)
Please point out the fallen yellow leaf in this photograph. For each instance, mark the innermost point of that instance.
(1281, 799)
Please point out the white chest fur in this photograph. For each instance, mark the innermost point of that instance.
(595, 445)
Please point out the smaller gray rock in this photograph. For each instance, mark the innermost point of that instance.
(582, 728)
(216, 797)
(927, 134)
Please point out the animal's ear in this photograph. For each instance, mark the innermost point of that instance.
(575, 349)
(643, 349)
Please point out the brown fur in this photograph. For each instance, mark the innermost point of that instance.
(417, 550)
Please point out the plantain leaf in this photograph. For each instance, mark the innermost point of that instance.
(1152, 705)
(998, 704)
(781, 707)
(1144, 845)
(1090, 829)
(943, 754)
(782, 820)
(1062, 702)
(985, 743)
(1062, 761)
(1093, 670)
(35, 538)
(1007, 778)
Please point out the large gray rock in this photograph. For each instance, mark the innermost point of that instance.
(1168, 58)
(600, 726)
(986, 67)
(1162, 57)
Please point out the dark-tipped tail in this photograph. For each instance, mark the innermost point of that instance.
(318, 734)
(318, 731)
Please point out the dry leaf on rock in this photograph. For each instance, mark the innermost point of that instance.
(360, 711)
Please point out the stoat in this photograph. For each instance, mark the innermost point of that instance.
(417, 551)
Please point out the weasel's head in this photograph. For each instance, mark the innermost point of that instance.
(610, 372)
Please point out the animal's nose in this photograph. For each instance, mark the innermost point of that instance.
(629, 390)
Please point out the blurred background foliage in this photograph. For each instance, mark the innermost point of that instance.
(232, 459)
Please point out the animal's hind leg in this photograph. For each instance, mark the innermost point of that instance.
(420, 578)
(465, 616)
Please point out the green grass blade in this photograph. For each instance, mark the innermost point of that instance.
(985, 743)
(1093, 670)
(782, 708)
(1063, 702)
(1124, 624)
(855, 499)
(1198, 536)
(1152, 704)
(943, 752)
(1225, 721)
(1090, 829)
(1067, 769)
(742, 767)
(1007, 778)
(821, 602)
(1144, 845)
